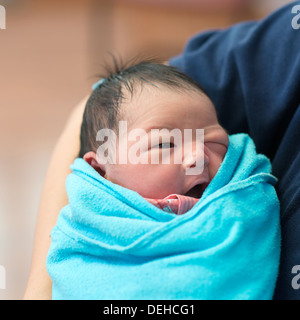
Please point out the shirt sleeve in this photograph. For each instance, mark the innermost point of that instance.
(251, 72)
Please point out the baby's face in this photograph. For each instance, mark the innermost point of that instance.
(152, 108)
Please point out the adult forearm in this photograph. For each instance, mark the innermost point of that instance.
(53, 198)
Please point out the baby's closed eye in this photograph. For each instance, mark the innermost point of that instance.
(165, 145)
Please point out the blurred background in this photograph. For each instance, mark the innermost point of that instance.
(50, 53)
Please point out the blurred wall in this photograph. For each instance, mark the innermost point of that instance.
(270, 5)
(43, 74)
(158, 28)
(50, 53)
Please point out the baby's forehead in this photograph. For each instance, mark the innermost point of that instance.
(150, 95)
(163, 106)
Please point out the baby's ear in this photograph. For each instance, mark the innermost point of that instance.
(90, 158)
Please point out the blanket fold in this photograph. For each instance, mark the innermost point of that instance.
(111, 243)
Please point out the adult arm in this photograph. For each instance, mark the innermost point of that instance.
(53, 198)
(251, 72)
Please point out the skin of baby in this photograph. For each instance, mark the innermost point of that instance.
(164, 108)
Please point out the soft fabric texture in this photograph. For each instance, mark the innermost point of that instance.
(251, 71)
(174, 203)
(111, 243)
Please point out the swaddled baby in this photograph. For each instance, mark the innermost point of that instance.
(163, 204)
(163, 105)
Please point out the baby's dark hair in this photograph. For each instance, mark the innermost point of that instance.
(102, 108)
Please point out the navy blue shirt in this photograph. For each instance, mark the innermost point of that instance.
(251, 72)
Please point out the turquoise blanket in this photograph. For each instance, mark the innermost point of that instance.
(110, 243)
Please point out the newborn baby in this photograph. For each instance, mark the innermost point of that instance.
(220, 212)
(155, 96)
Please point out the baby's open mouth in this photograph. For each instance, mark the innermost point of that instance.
(197, 190)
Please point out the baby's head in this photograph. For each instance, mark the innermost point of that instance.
(149, 106)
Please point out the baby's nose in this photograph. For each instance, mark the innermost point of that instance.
(195, 163)
(192, 160)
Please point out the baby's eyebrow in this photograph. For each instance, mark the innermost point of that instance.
(170, 128)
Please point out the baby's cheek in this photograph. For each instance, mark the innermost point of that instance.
(150, 181)
(157, 181)
(216, 153)
(214, 167)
